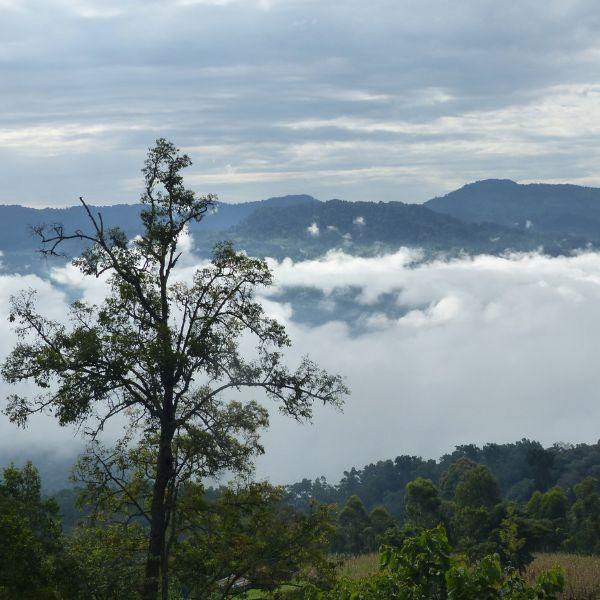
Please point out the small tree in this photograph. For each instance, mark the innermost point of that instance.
(161, 352)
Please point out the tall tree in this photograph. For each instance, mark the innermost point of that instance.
(160, 351)
(584, 518)
(422, 503)
(354, 533)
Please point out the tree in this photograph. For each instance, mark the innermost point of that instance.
(477, 487)
(249, 537)
(381, 521)
(476, 510)
(354, 534)
(450, 478)
(584, 518)
(161, 352)
(548, 511)
(422, 503)
(105, 561)
(32, 544)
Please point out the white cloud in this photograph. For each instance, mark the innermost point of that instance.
(313, 229)
(338, 270)
(493, 349)
(486, 349)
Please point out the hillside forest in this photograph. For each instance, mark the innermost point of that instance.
(508, 501)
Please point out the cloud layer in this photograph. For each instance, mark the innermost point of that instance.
(483, 349)
(493, 349)
(381, 100)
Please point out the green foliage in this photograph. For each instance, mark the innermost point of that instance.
(354, 534)
(31, 552)
(552, 504)
(521, 468)
(451, 477)
(470, 501)
(422, 503)
(476, 488)
(248, 534)
(106, 562)
(584, 518)
(381, 521)
(475, 508)
(549, 512)
(424, 568)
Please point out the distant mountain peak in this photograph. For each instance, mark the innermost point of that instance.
(553, 208)
(487, 183)
(292, 199)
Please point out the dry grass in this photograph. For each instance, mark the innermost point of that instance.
(582, 574)
(359, 566)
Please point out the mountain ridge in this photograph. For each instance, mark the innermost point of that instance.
(486, 216)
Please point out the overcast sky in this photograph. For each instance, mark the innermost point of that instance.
(379, 100)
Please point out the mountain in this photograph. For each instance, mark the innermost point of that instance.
(491, 216)
(308, 230)
(554, 209)
(229, 215)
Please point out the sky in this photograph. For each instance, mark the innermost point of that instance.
(486, 349)
(380, 100)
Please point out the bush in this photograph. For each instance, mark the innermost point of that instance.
(424, 568)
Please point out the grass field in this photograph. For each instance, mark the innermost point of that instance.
(582, 574)
(358, 566)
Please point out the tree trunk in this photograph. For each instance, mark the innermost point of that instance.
(158, 525)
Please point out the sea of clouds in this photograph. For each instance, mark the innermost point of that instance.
(482, 349)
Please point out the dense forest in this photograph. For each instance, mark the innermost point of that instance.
(520, 468)
(501, 500)
(551, 494)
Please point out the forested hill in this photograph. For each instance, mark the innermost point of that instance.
(521, 468)
(564, 209)
(308, 230)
